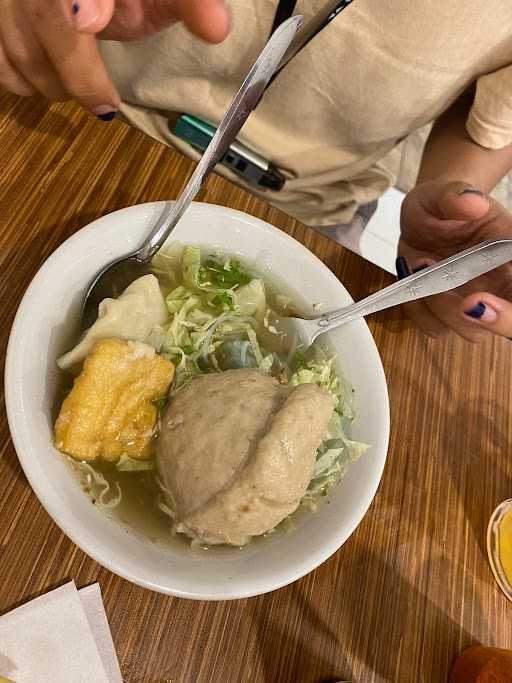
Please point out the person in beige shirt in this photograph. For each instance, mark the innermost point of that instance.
(375, 74)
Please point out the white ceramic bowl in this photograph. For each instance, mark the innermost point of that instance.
(43, 329)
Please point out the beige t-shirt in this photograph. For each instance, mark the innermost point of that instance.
(380, 70)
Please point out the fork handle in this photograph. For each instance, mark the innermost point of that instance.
(440, 277)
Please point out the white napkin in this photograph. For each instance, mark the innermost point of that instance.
(60, 637)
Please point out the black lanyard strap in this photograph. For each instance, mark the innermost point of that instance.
(284, 11)
(329, 11)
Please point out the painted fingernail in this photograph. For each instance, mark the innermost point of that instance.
(107, 117)
(481, 312)
(105, 112)
(402, 269)
(477, 311)
(471, 190)
(418, 268)
(84, 13)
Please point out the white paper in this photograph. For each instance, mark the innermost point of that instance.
(49, 640)
(95, 612)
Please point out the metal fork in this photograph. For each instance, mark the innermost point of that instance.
(298, 333)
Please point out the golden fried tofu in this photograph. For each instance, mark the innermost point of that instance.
(110, 411)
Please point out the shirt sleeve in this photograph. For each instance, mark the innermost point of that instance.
(489, 122)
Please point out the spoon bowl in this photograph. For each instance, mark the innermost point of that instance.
(116, 276)
(111, 283)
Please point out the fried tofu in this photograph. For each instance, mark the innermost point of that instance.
(110, 410)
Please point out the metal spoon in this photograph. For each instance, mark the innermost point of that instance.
(288, 333)
(114, 278)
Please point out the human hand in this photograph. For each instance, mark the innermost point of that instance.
(440, 218)
(50, 46)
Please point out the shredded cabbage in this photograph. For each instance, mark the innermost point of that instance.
(191, 266)
(337, 451)
(96, 486)
(214, 318)
(217, 305)
(127, 464)
(251, 299)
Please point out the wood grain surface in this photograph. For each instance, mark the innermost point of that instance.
(410, 588)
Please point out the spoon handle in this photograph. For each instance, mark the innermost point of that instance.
(244, 102)
(440, 277)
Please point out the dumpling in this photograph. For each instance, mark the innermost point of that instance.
(131, 317)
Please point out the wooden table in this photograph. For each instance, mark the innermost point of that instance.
(411, 587)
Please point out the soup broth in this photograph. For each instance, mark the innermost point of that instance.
(134, 498)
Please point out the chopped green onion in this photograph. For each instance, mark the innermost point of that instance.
(226, 275)
(161, 403)
(224, 299)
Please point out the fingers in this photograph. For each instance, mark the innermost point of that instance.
(428, 323)
(11, 79)
(445, 308)
(463, 203)
(77, 61)
(488, 312)
(438, 315)
(49, 46)
(207, 19)
(53, 58)
(451, 200)
(26, 55)
(88, 16)
(417, 310)
(81, 71)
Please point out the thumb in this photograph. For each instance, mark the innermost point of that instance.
(488, 311)
(207, 19)
(88, 16)
(454, 200)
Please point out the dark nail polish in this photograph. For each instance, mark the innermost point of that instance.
(107, 117)
(471, 190)
(75, 8)
(477, 311)
(418, 268)
(402, 269)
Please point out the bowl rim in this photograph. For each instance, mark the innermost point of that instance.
(14, 408)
